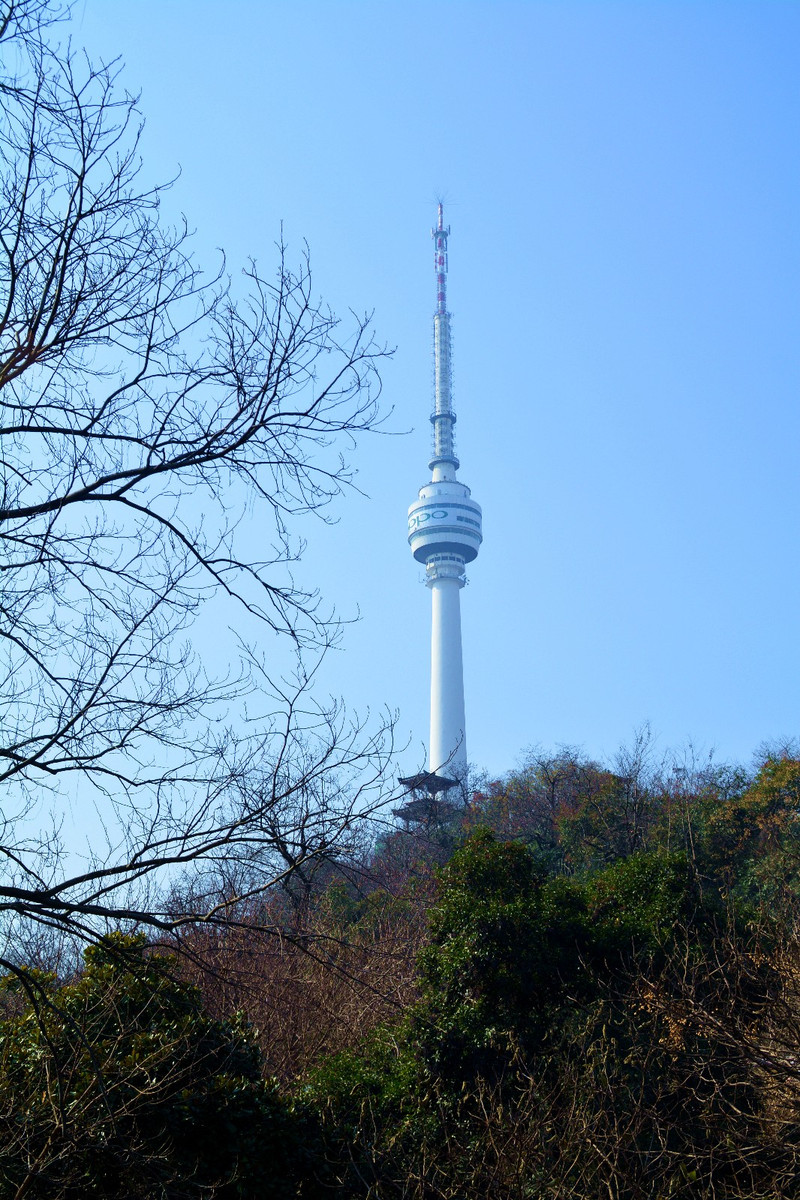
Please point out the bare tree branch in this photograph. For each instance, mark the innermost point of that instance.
(146, 410)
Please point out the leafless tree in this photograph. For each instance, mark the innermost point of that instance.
(146, 411)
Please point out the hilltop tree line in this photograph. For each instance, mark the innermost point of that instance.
(584, 982)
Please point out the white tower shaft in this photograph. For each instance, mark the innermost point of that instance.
(444, 532)
(448, 749)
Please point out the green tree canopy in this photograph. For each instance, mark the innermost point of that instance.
(119, 1085)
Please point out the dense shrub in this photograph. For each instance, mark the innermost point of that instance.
(120, 1085)
(575, 1037)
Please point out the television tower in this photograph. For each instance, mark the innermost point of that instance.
(444, 532)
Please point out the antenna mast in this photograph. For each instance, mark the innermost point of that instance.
(444, 463)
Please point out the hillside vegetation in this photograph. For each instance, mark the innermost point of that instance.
(584, 983)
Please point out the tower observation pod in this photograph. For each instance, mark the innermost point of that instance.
(444, 533)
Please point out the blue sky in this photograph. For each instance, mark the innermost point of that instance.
(622, 184)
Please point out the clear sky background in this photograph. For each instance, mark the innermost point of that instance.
(622, 181)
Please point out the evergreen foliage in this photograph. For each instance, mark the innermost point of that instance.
(594, 1015)
(576, 1036)
(119, 1085)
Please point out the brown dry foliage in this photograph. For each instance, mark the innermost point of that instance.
(317, 988)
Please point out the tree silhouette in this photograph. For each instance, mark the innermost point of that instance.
(146, 410)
